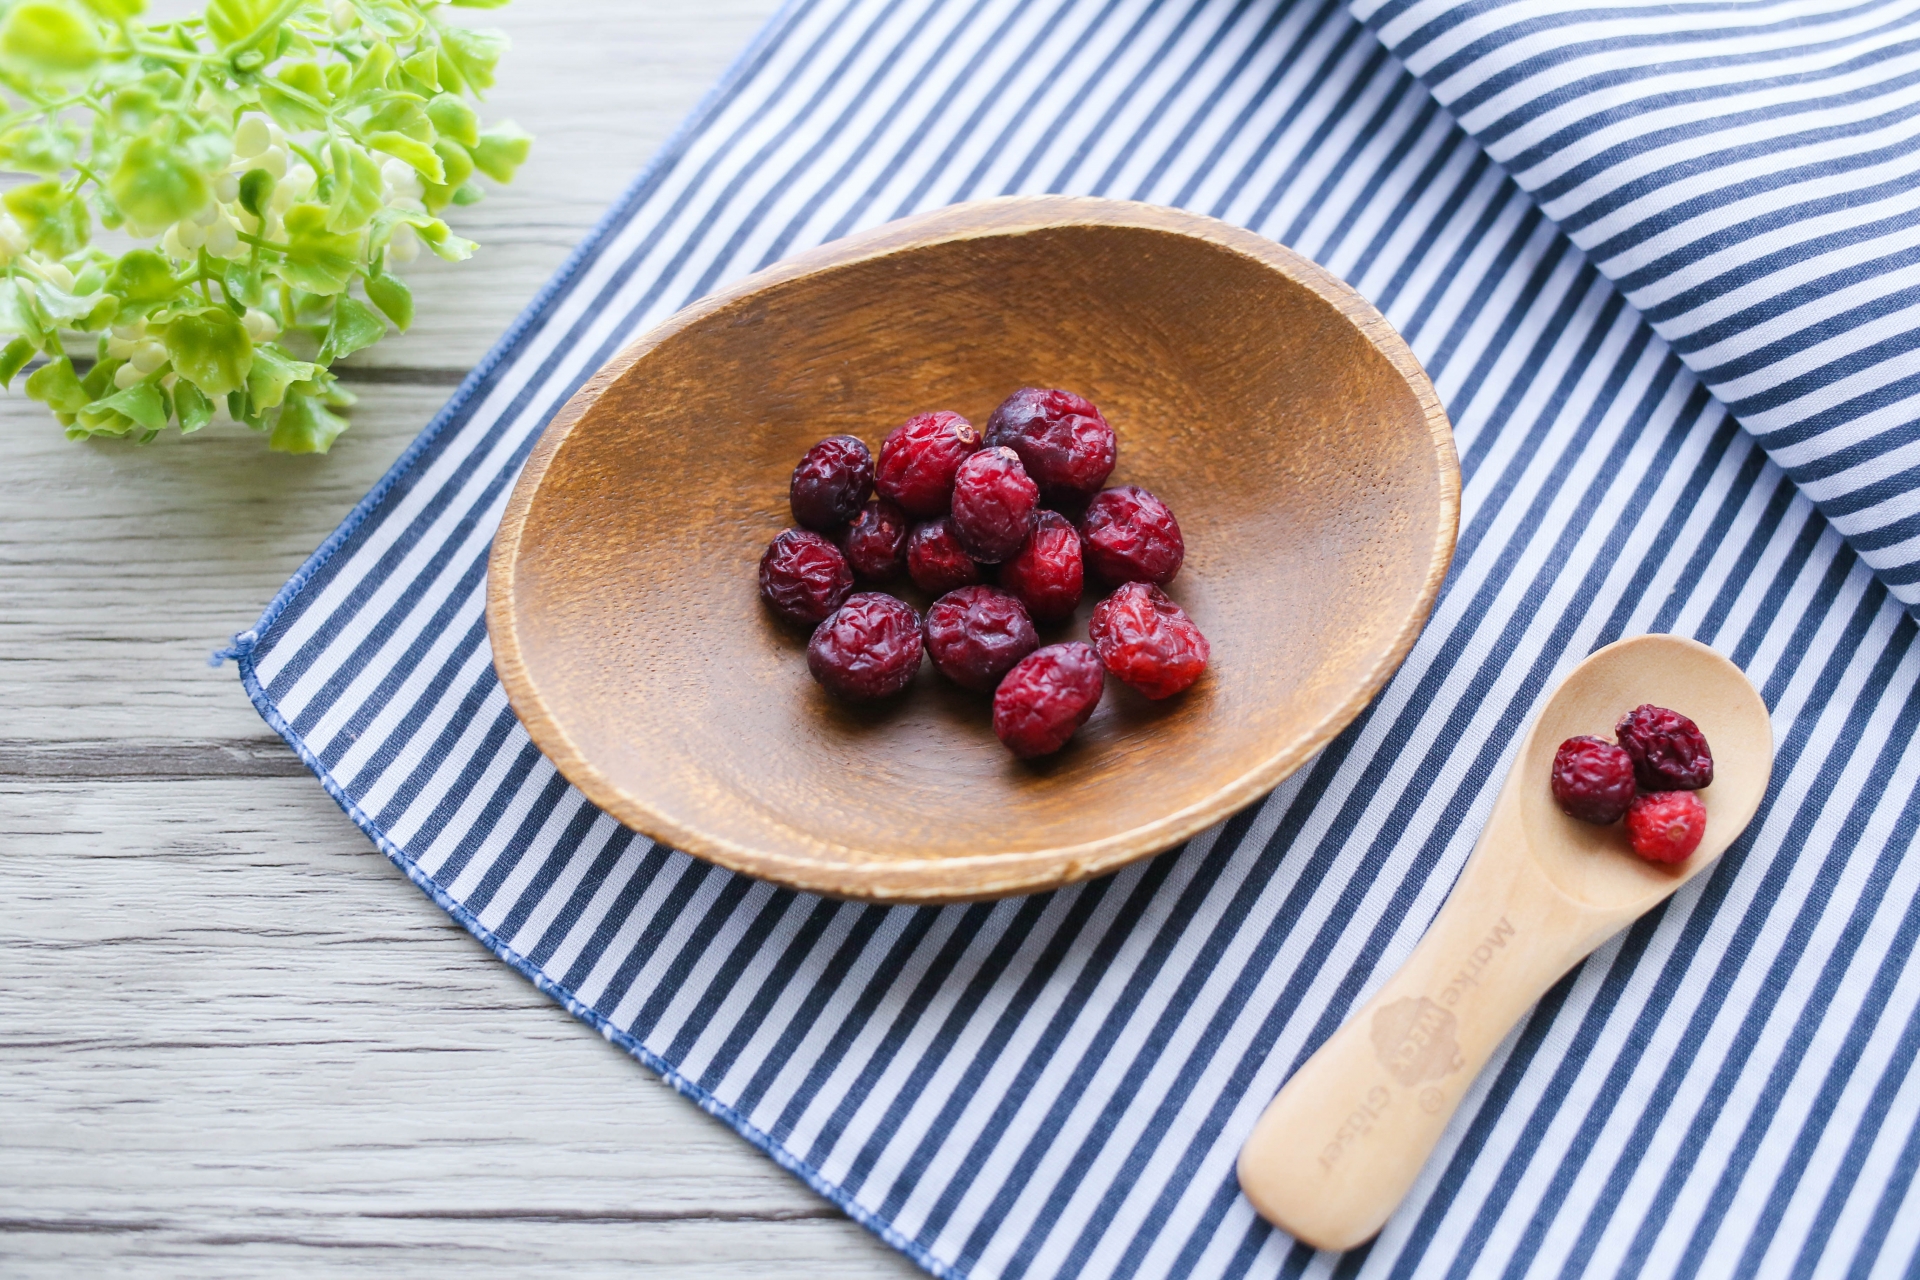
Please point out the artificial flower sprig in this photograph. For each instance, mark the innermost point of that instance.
(279, 157)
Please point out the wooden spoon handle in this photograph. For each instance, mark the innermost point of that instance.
(1338, 1149)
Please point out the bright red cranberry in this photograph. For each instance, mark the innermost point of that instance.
(1132, 537)
(993, 504)
(1592, 780)
(976, 634)
(833, 479)
(935, 559)
(918, 459)
(877, 541)
(1046, 697)
(869, 648)
(1067, 447)
(1669, 751)
(803, 576)
(1046, 572)
(1148, 641)
(1666, 826)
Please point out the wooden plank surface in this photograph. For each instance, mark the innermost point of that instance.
(233, 1040)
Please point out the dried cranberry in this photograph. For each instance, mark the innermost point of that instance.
(1669, 751)
(803, 576)
(1132, 537)
(1046, 697)
(918, 459)
(877, 541)
(993, 504)
(1067, 447)
(832, 480)
(1148, 641)
(1046, 572)
(1666, 826)
(869, 648)
(976, 634)
(935, 559)
(1592, 780)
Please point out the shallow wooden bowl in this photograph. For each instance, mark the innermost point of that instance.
(1277, 413)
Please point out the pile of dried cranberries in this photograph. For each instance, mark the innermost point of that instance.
(1648, 776)
(1004, 529)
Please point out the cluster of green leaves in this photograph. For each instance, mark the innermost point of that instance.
(276, 155)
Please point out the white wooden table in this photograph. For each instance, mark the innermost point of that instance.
(233, 1039)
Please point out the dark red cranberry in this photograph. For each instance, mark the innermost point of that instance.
(918, 459)
(877, 541)
(832, 480)
(1148, 641)
(976, 634)
(1669, 751)
(993, 504)
(1592, 780)
(935, 559)
(869, 648)
(1046, 697)
(1067, 447)
(803, 576)
(1046, 572)
(1666, 826)
(1132, 537)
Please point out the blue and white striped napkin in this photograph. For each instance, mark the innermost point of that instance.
(1057, 1086)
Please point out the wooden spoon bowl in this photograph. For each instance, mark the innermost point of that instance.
(1335, 1153)
(1288, 426)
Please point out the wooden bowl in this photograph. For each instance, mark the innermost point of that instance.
(1279, 415)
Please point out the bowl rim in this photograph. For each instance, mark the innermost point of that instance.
(983, 876)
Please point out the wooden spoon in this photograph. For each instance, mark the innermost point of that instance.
(1335, 1153)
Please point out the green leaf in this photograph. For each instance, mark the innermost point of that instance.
(305, 76)
(243, 284)
(453, 118)
(456, 160)
(211, 348)
(356, 186)
(466, 193)
(402, 113)
(388, 19)
(41, 147)
(256, 185)
(273, 372)
(14, 359)
(477, 4)
(154, 185)
(20, 313)
(117, 10)
(373, 72)
(142, 402)
(289, 112)
(305, 426)
(56, 220)
(424, 67)
(192, 407)
(501, 150)
(99, 379)
(354, 326)
(47, 38)
(391, 295)
(64, 306)
(142, 278)
(418, 154)
(474, 51)
(232, 22)
(317, 260)
(54, 385)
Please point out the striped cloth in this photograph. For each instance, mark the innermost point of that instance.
(1056, 1086)
(1748, 174)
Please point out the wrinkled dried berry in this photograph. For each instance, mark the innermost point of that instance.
(935, 559)
(1666, 826)
(1046, 697)
(1592, 780)
(877, 541)
(976, 634)
(1132, 537)
(803, 576)
(918, 459)
(1669, 751)
(993, 504)
(1067, 447)
(1046, 572)
(869, 648)
(832, 480)
(1148, 641)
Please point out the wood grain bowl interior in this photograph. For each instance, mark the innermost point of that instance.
(1282, 419)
